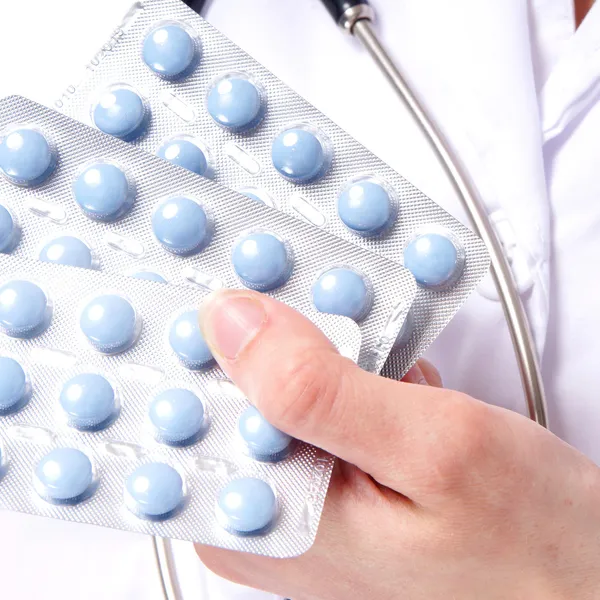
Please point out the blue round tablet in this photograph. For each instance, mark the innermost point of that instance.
(342, 291)
(154, 491)
(89, 401)
(25, 311)
(434, 261)
(26, 157)
(262, 261)
(177, 416)
(366, 208)
(103, 192)
(149, 276)
(234, 102)
(110, 324)
(121, 112)
(14, 385)
(247, 506)
(187, 342)
(64, 476)
(184, 153)
(67, 250)
(263, 441)
(299, 155)
(170, 51)
(182, 226)
(9, 231)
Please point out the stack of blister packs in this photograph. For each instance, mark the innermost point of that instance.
(179, 166)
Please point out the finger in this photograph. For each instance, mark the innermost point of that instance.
(423, 373)
(415, 375)
(431, 374)
(291, 372)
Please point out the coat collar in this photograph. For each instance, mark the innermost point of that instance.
(573, 86)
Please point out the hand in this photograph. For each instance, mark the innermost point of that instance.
(437, 496)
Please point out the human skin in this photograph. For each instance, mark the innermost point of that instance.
(437, 495)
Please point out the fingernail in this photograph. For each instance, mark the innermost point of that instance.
(230, 322)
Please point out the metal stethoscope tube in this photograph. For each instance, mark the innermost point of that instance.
(165, 565)
(356, 17)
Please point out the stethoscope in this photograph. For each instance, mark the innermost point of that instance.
(356, 18)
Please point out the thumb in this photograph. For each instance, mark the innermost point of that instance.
(292, 373)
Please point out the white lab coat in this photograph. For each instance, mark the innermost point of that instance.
(516, 90)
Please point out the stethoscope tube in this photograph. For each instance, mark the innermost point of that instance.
(356, 17)
(165, 565)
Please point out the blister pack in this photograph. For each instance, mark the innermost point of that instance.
(73, 195)
(103, 419)
(170, 83)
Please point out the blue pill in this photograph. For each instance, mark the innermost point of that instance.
(186, 340)
(103, 192)
(26, 157)
(154, 491)
(177, 416)
(9, 231)
(366, 208)
(263, 441)
(184, 153)
(25, 311)
(121, 112)
(342, 291)
(89, 401)
(67, 250)
(262, 261)
(149, 276)
(433, 260)
(110, 324)
(235, 103)
(14, 385)
(64, 476)
(247, 506)
(182, 226)
(299, 155)
(170, 51)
